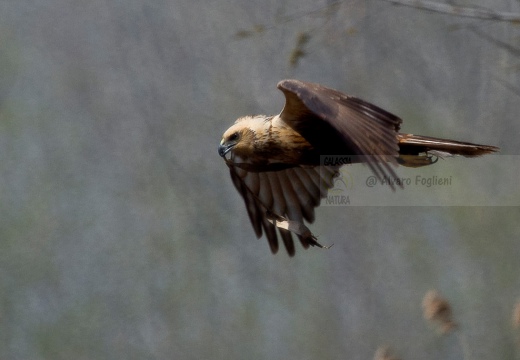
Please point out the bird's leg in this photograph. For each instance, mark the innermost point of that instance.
(415, 161)
(314, 242)
(296, 227)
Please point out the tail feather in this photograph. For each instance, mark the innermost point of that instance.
(415, 144)
(417, 150)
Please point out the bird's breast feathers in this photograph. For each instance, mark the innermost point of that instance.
(270, 140)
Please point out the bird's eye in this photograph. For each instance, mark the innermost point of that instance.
(233, 137)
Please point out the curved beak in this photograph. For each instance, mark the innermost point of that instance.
(223, 149)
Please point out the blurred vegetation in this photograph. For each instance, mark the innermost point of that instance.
(121, 234)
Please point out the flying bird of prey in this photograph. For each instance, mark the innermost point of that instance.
(276, 163)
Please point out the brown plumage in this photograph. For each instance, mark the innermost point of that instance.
(275, 161)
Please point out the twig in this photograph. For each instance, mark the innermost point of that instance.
(473, 12)
(463, 342)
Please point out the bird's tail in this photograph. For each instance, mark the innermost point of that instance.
(417, 150)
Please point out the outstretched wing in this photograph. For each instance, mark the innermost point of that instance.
(292, 193)
(333, 121)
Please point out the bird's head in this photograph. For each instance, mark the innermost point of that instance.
(239, 139)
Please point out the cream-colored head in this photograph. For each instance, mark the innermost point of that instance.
(240, 138)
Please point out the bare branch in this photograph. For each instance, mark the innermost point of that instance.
(473, 12)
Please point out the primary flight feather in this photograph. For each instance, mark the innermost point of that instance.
(276, 163)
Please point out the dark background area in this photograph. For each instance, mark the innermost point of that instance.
(122, 236)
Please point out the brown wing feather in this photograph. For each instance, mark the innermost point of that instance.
(333, 121)
(293, 193)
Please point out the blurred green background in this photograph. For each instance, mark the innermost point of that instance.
(122, 236)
